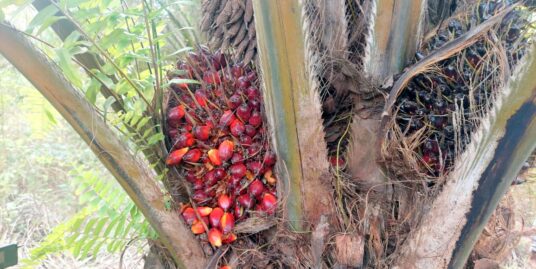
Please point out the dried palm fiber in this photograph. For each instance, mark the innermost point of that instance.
(229, 24)
(336, 31)
(441, 105)
(499, 236)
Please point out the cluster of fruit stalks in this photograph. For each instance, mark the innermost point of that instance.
(220, 144)
(464, 84)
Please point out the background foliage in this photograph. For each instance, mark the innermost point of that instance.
(55, 191)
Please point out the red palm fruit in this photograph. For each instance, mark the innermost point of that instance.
(192, 156)
(210, 192)
(189, 118)
(227, 118)
(173, 133)
(175, 156)
(250, 130)
(252, 93)
(238, 212)
(198, 184)
(269, 158)
(214, 237)
(189, 215)
(427, 158)
(224, 201)
(194, 57)
(205, 220)
(334, 161)
(246, 141)
(239, 191)
(187, 68)
(218, 60)
(219, 173)
(185, 140)
(270, 179)
(200, 197)
(238, 170)
(234, 101)
(252, 76)
(219, 91)
(201, 97)
(234, 181)
(202, 132)
(198, 228)
(214, 157)
(243, 112)
(237, 70)
(245, 200)
(269, 203)
(212, 77)
(226, 266)
(175, 115)
(237, 157)
(190, 176)
(204, 211)
(227, 222)
(229, 238)
(210, 124)
(215, 216)
(255, 167)
(243, 82)
(256, 188)
(259, 207)
(187, 127)
(254, 149)
(254, 104)
(210, 178)
(237, 128)
(225, 150)
(255, 119)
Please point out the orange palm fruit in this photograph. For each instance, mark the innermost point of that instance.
(214, 157)
(227, 222)
(204, 211)
(225, 150)
(175, 157)
(215, 237)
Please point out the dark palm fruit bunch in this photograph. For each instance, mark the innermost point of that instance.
(461, 89)
(220, 144)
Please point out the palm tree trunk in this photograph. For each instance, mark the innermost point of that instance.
(293, 109)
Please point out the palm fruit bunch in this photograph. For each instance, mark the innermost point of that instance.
(219, 143)
(229, 24)
(441, 107)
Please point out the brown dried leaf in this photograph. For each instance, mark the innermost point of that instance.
(251, 51)
(223, 3)
(226, 43)
(486, 264)
(237, 15)
(206, 22)
(212, 6)
(234, 29)
(225, 14)
(216, 43)
(242, 47)
(252, 32)
(218, 33)
(248, 12)
(240, 36)
(254, 224)
(349, 249)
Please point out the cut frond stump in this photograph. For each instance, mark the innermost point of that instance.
(229, 24)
